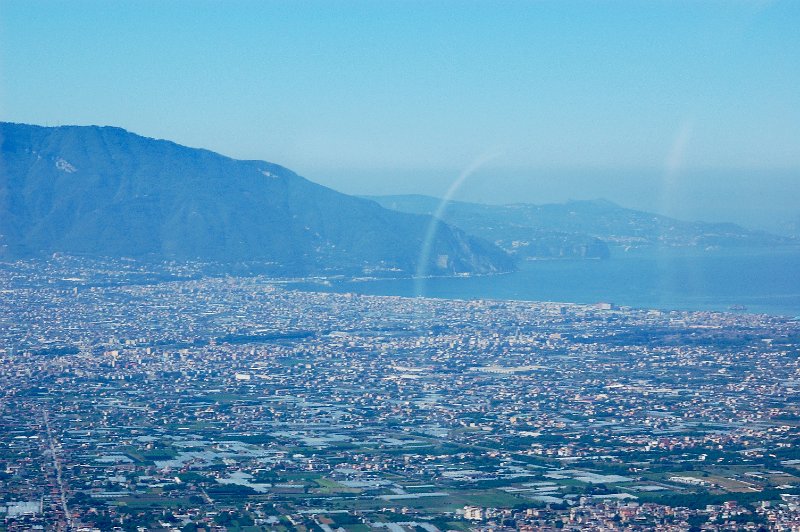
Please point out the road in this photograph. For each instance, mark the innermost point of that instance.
(57, 466)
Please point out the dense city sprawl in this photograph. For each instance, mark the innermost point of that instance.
(134, 400)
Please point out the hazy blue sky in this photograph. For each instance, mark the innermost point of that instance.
(691, 108)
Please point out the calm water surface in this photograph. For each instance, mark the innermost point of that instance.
(763, 281)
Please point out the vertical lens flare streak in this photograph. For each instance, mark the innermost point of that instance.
(427, 244)
(670, 183)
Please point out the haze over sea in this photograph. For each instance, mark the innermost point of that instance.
(764, 281)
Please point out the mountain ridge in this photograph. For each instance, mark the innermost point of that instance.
(578, 228)
(103, 191)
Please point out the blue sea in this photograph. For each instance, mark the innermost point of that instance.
(762, 281)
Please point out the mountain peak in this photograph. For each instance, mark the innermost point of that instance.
(103, 191)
